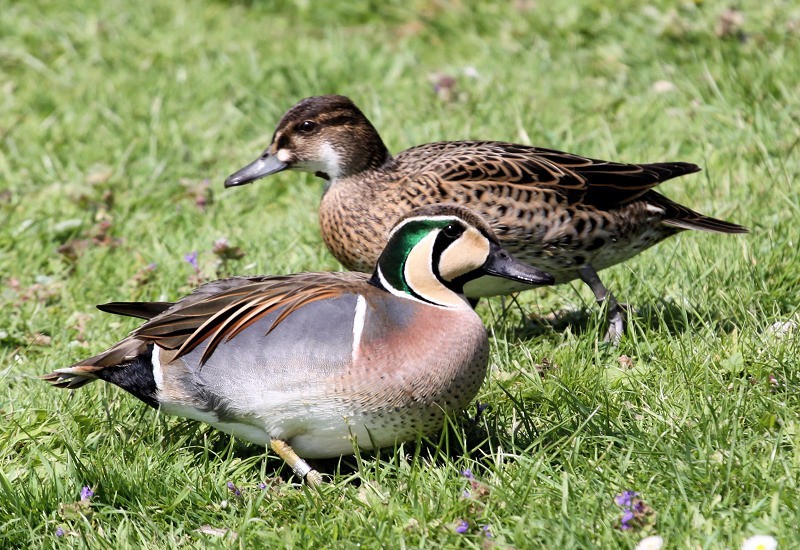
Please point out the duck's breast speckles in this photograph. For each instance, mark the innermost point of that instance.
(355, 222)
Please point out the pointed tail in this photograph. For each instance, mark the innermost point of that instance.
(682, 217)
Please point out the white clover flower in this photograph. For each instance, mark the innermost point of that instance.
(760, 542)
(653, 542)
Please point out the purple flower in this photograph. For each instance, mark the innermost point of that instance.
(465, 494)
(624, 522)
(191, 258)
(60, 532)
(234, 489)
(486, 531)
(467, 474)
(86, 493)
(262, 485)
(625, 498)
(636, 514)
(462, 527)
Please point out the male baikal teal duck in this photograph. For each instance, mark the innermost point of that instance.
(317, 364)
(569, 215)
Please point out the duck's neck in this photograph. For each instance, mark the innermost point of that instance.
(376, 157)
(365, 150)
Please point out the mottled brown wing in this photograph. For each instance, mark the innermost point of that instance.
(220, 310)
(579, 179)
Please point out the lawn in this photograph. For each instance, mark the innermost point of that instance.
(118, 124)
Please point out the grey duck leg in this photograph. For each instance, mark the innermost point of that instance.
(297, 464)
(615, 312)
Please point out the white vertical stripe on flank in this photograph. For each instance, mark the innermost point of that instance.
(358, 324)
(158, 375)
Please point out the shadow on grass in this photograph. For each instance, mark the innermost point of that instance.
(662, 315)
(468, 436)
(485, 438)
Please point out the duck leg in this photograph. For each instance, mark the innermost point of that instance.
(297, 464)
(614, 312)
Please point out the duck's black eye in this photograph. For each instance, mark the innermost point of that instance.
(453, 231)
(307, 126)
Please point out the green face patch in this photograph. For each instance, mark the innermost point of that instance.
(393, 260)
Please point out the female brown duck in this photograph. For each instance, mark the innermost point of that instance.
(569, 215)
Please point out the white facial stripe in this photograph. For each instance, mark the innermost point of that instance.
(421, 279)
(466, 254)
(283, 155)
(158, 374)
(328, 161)
(358, 325)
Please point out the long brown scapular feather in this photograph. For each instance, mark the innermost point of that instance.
(211, 317)
(142, 310)
(226, 328)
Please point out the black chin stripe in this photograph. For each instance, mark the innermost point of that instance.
(375, 281)
(439, 246)
(456, 285)
(422, 298)
(413, 292)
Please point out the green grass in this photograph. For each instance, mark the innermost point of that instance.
(117, 112)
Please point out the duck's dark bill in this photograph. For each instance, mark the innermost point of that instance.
(262, 166)
(501, 264)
